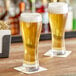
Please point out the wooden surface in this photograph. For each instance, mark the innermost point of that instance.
(55, 66)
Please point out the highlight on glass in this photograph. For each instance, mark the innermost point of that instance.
(31, 24)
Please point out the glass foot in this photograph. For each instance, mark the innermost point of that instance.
(31, 68)
(58, 52)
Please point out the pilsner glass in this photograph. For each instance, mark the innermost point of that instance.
(58, 12)
(31, 24)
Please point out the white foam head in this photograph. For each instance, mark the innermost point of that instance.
(31, 17)
(58, 7)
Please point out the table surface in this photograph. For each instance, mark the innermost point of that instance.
(56, 66)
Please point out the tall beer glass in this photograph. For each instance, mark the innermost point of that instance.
(31, 24)
(58, 12)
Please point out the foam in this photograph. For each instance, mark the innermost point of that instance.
(58, 7)
(31, 17)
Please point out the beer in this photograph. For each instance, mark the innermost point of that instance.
(31, 28)
(57, 22)
(57, 17)
(31, 34)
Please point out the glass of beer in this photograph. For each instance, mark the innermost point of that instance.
(58, 12)
(31, 24)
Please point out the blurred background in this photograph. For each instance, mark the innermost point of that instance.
(10, 11)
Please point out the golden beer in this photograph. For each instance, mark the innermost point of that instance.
(31, 33)
(57, 24)
(31, 24)
(58, 12)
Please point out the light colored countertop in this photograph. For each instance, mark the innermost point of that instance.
(56, 66)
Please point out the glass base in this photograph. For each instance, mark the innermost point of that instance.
(31, 68)
(58, 52)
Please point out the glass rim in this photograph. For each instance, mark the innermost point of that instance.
(30, 17)
(58, 7)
